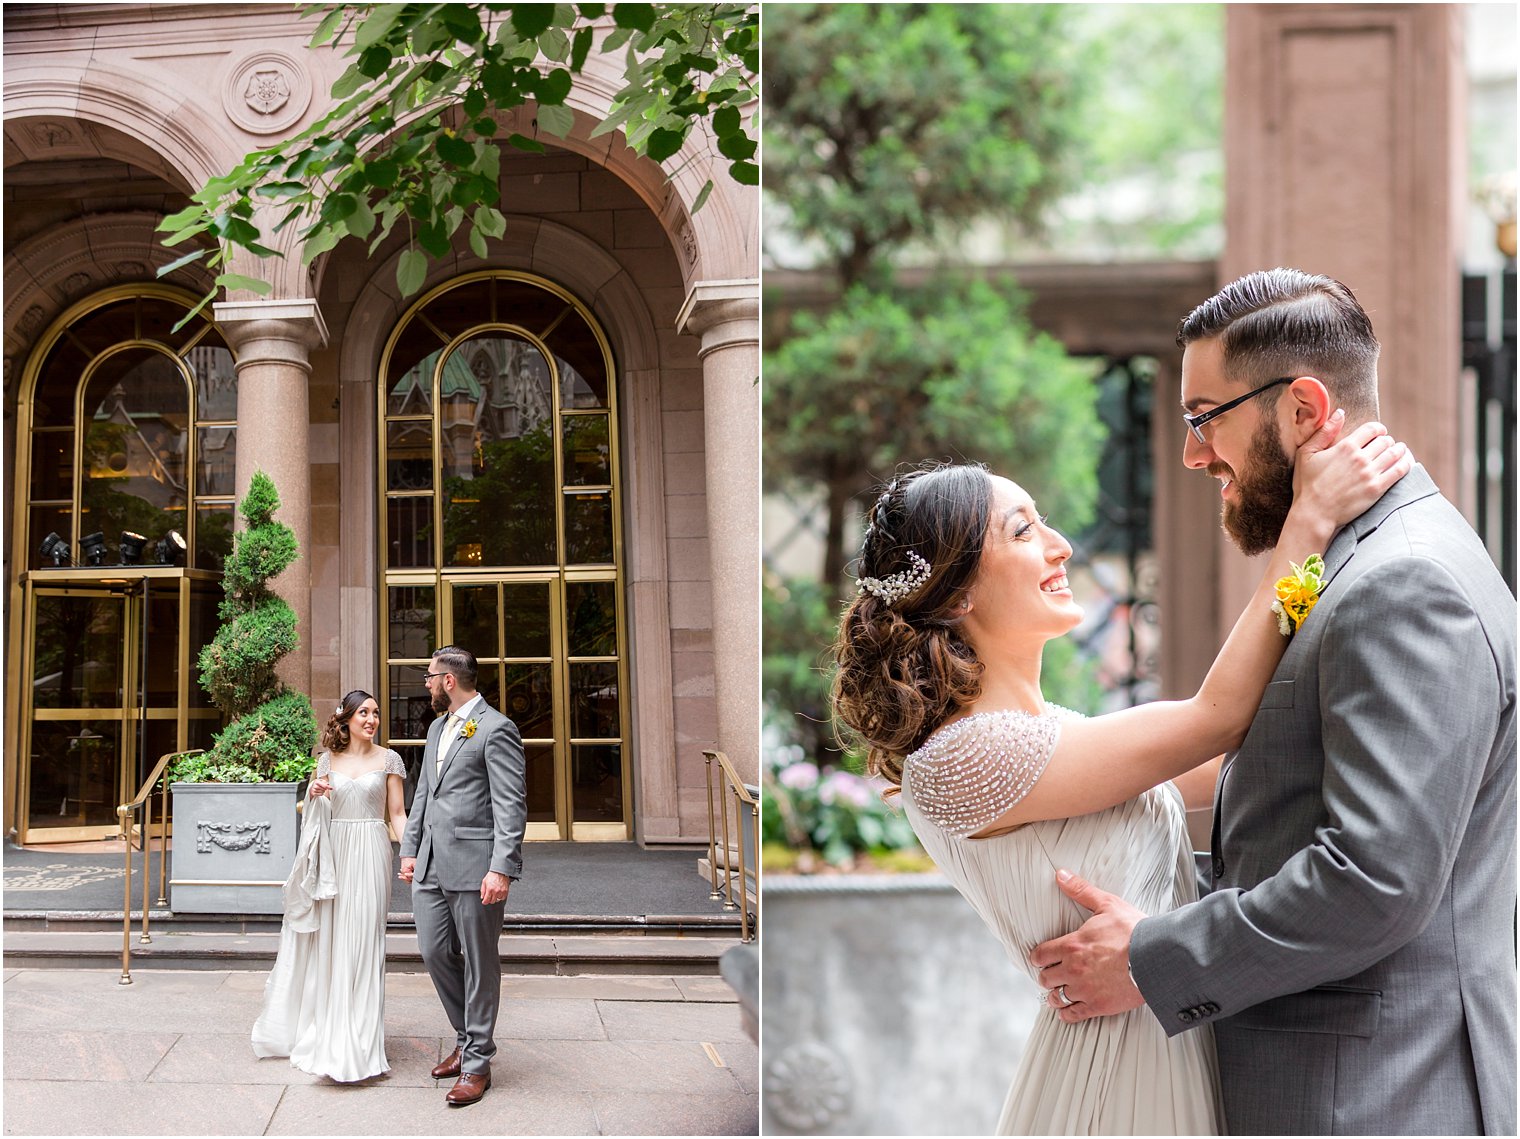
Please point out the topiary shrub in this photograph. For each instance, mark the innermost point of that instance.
(270, 731)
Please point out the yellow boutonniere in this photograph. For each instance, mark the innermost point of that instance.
(468, 730)
(1297, 594)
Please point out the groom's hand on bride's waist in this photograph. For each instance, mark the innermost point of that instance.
(1086, 973)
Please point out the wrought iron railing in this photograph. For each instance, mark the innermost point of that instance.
(1488, 350)
(741, 844)
(124, 815)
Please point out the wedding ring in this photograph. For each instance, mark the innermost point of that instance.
(1060, 992)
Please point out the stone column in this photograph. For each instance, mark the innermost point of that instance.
(273, 342)
(1345, 155)
(726, 314)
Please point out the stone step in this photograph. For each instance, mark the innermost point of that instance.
(521, 953)
(719, 923)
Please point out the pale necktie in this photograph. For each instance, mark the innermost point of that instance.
(450, 730)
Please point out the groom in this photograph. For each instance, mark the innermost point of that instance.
(1354, 950)
(461, 852)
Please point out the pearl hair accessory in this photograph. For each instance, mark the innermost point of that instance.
(895, 586)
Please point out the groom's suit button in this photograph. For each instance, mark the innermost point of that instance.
(1187, 1014)
(1210, 1009)
(1218, 868)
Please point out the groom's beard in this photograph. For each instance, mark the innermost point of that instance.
(440, 701)
(1263, 494)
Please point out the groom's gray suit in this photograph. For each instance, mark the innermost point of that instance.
(1356, 951)
(466, 819)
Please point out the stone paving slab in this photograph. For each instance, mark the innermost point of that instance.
(61, 1054)
(630, 1114)
(627, 1020)
(169, 1055)
(743, 1059)
(34, 1107)
(707, 989)
(506, 1110)
(593, 987)
(648, 1067)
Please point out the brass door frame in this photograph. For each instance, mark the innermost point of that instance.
(124, 582)
(442, 579)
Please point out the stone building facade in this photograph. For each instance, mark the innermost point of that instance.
(537, 455)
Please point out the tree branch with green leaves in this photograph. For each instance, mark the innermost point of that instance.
(412, 137)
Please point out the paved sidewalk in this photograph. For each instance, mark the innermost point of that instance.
(169, 1055)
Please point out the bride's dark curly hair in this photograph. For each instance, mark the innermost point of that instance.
(903, 667)
(335, 731)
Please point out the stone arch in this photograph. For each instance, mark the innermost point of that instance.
(577, 263)
(51, 270)
(194, 145)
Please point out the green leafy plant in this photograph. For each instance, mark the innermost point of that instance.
(270, 731)
(412, 137)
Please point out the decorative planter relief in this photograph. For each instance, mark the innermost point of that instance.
(234, 846)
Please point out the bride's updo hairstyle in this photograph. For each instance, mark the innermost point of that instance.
(335, 731)
(903, 666)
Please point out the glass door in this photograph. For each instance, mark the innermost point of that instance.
(112, 687)
(78, 752)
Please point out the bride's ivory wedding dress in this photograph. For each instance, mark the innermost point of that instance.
(324, 1002)
(1116, 1075)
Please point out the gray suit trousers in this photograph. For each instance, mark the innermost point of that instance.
(458, 937)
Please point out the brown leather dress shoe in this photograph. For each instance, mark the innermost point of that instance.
(470, 1088)
(449, 1068)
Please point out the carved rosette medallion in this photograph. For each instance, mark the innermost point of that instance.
(266, 92)
(807, 1087)
(232, 836)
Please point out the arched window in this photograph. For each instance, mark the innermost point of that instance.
(501, 533)
(126, 450)
(132, 431)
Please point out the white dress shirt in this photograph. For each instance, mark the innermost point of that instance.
(451, 730)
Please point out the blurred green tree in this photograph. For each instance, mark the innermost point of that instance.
(890, 130)
(887, 124)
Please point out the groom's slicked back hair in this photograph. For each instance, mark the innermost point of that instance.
(461, 662)
(1284, 322)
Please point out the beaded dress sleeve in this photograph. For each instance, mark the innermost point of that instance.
(394, 764)
(970, 773)
(324, 764)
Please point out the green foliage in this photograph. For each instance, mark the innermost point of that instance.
(890, 123)
(271, 731)
(950, 371)
(273, 743)
(832, 812)
(412, 136)
(1155, 132)
(798, 620)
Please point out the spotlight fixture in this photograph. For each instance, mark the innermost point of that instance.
(132, 548)
(92, 547)
(55, 549)
(170, 548)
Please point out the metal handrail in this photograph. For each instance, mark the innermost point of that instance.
(742, 799)
(124, 813)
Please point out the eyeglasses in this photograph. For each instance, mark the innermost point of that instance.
(1195, 422)
(427, 676)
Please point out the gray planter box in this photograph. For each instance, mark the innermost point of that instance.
(234, 845)
(889, 1009)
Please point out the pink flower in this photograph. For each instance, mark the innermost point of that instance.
(842, 786)
(799, 776)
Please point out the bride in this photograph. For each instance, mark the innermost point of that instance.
(324, 1002)
(939, 673)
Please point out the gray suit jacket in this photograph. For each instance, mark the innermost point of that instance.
(1356, 953)
(470, 818)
